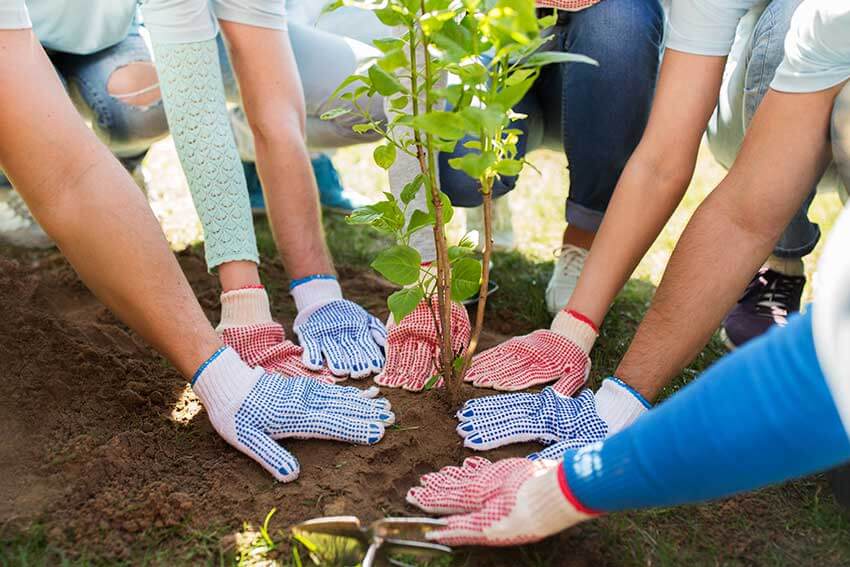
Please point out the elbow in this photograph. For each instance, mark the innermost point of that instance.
(279, 126)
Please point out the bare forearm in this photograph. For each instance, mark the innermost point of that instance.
(730, 235)
(90, 206)
(654, 180)
(273, 101)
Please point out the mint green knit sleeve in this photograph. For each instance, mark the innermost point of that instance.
(193, 94)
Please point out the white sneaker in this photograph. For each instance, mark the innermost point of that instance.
(565, 277)
(17, 227)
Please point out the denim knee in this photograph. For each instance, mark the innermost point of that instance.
(126, 127)
(619, 30)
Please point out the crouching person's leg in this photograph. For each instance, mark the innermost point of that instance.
(118, 90)
(841, 136)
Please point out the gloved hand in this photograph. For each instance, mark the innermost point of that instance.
(247, 327)
(413, 346)
(336, 330)
(252, 408)
(509, 502)
(561, 353)
(549, 417)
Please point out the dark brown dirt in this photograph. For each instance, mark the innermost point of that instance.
(100, 448)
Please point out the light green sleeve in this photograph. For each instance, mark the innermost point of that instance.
(193, 94)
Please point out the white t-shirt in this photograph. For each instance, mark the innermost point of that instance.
(831, 318)
(817, 48)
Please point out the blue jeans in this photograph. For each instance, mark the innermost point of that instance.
(595, 114)
(127, 130)
(758, 51)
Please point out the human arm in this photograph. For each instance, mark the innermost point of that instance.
(92, 209)
(762, 415)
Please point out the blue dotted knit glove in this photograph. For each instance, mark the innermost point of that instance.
(549, 417)
(338, 331)
(487, 423)
(251, 409)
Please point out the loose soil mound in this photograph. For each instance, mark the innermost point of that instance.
(101, 445)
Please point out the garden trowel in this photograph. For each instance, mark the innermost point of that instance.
(382, 540)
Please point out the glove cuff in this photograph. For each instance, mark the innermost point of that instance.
(619, 405)
(243, 307)
(577, 328)
(223, 381)
(551, 499)
(314, 291)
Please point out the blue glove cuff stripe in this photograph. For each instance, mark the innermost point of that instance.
(206, 363)
(295, 283)
(632, 391)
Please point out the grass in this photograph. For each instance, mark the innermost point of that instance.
(793, 525)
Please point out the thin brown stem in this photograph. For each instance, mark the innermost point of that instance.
(487, 195)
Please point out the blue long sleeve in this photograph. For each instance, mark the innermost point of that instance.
(761, 415)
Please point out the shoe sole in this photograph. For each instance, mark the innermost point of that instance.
(727, 341)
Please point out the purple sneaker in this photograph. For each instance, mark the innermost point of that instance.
(769, 299)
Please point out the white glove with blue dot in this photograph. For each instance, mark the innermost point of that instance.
(549, 417)
(251, 409)
(332, 329)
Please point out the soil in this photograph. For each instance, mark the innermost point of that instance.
(102, 449)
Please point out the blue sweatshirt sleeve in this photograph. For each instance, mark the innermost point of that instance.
(760, 416)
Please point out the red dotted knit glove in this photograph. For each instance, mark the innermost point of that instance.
(247, 327)
(509, 502)
(560, 353)
(265, 346)
(568, 5)
(413, 346)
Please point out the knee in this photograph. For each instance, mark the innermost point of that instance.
(132, 116)
(621, 28)
(278, 124)
(135, 84)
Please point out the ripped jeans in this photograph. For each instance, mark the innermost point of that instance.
(128, 130)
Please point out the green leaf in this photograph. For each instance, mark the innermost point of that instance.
(466, 278)
(404, 301)
(548, 57)
(335, 113)
(488, 119)
(509, 167)
(456, 252)
(383, 82)
(363, 128)
(348, 81)
(399, 264)
(411, 189)
(393, 60)
(474, 164)
(448, 210)
(432, 381)
(399, 102)
(385, 155)
(419, 219)
(510, 95)
(441, 124)
(387, 44)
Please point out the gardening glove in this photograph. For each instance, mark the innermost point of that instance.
(560, 353)
(413, 346)
(550, 417)
(252, 408)
(509, 502)
(338, 331)
(247, 327)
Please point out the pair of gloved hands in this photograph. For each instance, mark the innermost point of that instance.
(503, 503)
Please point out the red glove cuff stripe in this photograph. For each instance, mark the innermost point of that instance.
(568, 494)
(584, 319)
